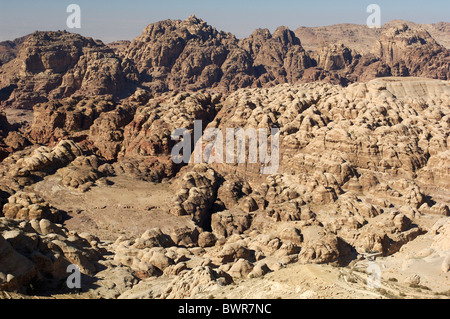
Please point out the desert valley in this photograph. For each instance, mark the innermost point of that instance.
(359, 206)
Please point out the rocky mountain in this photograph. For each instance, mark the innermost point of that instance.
(11, 139)
(52, 65)
(362, 148)
(361, 38)
(166, 60)
(192, 55)
(355, 36)
(8, 49)
(119, 47)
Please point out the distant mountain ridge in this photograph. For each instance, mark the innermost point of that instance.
(192, 55)
(361, 38)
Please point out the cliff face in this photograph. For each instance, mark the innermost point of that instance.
(413, 53)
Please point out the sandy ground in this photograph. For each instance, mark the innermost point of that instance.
(126, 208)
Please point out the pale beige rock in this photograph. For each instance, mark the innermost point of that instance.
(16, 269)
(160, 261)
(188, 283)
(259, 270)
(206, 239)
(240, 269)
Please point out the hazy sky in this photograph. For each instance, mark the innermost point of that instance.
(111, 20)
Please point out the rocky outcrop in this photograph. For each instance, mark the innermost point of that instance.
(311, 127)
(84, 171)
(361, 38)
(402, 49)
(192, 55)
(227, 223)
(386, 234)
(9, 49)
(36, 254)
(355, 166)
(34, 163)
(278, 57)
(53, 65)
(67, 118)
(437, 170)
(178, 55)
(119, 46)
(11, 139)
(17, 270)
(181, 54)
(197, 279)
(147, 139)
(411, 52)
(30, 206)
(197, 194)
(106, 133)
(4, 128)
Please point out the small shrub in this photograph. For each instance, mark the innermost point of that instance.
(419, 287)
(443, 293)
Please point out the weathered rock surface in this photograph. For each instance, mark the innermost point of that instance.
(190, 282)
(147, 139)
(57, 64)
(8, 49)
(70, 117)
(192, 55)
(29, 206)
(179, 55)
(361, 38)
(39, 252)
(11, 139)
(26, 167)
(362, 167)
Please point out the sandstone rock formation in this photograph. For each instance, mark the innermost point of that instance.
(192, 55)
(413, 53)
(360, 37)
(187, 284)
(70, 117)
(57, 64)
(148, 137)
(11, 139)
(30, 206)
(360, 160)
(181, 54)
(38, 253)
(8, 49)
